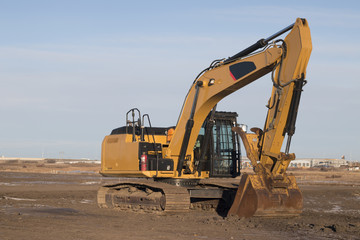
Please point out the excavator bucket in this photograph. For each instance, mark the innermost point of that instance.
(256, 197)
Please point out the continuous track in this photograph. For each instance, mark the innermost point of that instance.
(144, 195)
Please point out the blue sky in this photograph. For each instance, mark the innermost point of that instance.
(70, 70)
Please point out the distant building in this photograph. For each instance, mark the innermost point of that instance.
(354, 166)
(329, 162)
(300, 163)
(306, 162)
(47, 160)
(319, 162)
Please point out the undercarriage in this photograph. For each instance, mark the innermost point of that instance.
(167, 196)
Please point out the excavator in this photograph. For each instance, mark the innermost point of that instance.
(186, 166)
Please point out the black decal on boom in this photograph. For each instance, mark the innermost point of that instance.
(241, 69)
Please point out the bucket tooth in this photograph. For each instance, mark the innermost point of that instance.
(255, 197)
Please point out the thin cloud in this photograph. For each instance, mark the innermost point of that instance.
(321, 16)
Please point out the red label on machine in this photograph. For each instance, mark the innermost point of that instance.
(143, 161)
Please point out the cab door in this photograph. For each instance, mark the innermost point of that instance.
(225, 152)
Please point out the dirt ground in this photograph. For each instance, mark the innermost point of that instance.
(43, 202)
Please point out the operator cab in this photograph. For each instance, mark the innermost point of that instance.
(217, 148)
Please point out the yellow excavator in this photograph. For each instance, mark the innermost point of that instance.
(187, 166)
